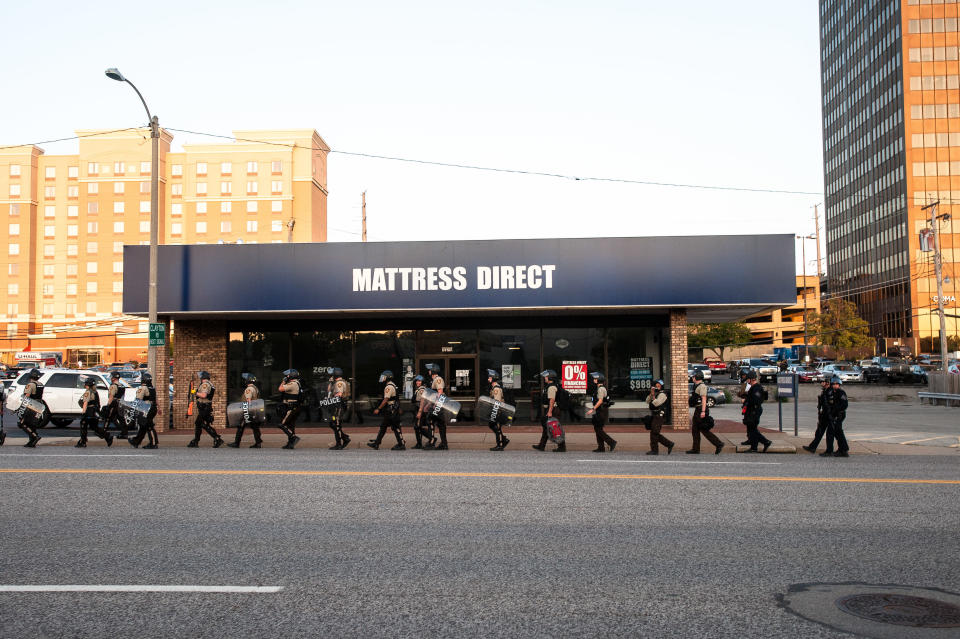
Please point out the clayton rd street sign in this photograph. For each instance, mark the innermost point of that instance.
(158, 335)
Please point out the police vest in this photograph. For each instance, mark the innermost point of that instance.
(545, 398)
(93, 405)
(37, 394)
(293, 397)
(663, 408)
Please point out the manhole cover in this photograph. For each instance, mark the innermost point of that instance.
(901, 610)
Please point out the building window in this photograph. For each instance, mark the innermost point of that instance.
(93, 188)
(12, 311)
(118, 207)
(72, 271)
(144, 187)
(13, 249)
(48, 310)
(92, 248)
(72, 230)
(118, 168)
(118, 286)
(73, 172)
(72, 250)
(50, 192)
(177, 208)
(226, 188)
(201, 188)
(50, 172)
(176, 189)
(144, 167)
(73, 191)
(276, 167)
(14, 190)
(226, 168)
(118, 247)
(201, 227)
(201, 168)
(118, 188)
(251, 226)
(144, 206)
(13, 289)
(91, 308)
(176, 170)
(93, 207)
(118, 267)
(14, 229)
(73, 211)
(117, 307)
(91, 287)
(251, 168)
(93, 168)
(226, 226)
(49, 211)
(252, 206)
(276, 206)
(72, 289)
(14, 170)
(118, 227)
(176, 228)
(49, 231)
(14, 269)
(91, 268)
(49, 250)
(201, 207)
(226, 207)
(251, 188)
(49, 270)
(14, 209)
(145, 226)
(276, 186)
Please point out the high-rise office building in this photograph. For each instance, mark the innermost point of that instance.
(66, 218)
(890, 79)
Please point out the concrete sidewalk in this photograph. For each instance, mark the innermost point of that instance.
(580, 439)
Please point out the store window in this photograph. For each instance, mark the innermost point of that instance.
(447, 341)
(576, 348)
(515, 354)
(265, 354)
(315, 355)
(376, 351)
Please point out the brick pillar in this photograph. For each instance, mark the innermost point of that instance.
(199, 345)
(161, 381)
(679, 412)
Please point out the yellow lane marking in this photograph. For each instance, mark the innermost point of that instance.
(475, 475)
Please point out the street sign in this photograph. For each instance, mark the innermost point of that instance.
(785, 385)
(158, 335)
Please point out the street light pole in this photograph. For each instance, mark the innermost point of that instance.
(152, 351)
(938, 269)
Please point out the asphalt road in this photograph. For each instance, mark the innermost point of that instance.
(437, 544)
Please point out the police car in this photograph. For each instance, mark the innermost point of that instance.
(62, 389)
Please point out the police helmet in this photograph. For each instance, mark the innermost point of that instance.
(698, 375)
(743, 373)
(337, 372)
(418, 378)
(751, 374)
(146, 379)
(35, 374)
(548, 374)
(248, 378)
(433, 368)
(598, 378)
(659, 381)
(90, 382)
(836, 380)
(115, 375)
(291, 373)
(386, 376)
(493, 374)
(203, 375)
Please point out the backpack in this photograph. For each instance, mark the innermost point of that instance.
(563, 397)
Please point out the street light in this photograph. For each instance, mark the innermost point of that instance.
(152, 359)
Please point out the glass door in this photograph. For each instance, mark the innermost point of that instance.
(461, 378)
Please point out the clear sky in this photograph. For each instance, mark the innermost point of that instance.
(697, 92)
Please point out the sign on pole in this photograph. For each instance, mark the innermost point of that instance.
(158, 336)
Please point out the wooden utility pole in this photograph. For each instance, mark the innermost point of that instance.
(364, 207)
(816, 221)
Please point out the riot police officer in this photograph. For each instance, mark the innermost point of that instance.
(496, 393)
(291, 396)
(421, 422)
(391, 414)
(700, 424)
(548, 401)
(822, 418)
(437, 384)
(146, 393)
(33, 390)
(90, 414)
(599, 410)
(339, 389)
(752, 409)
(659, 403)
(3, 399)
(111, 412)
(204, 421)
(250, 393)
(836, 412)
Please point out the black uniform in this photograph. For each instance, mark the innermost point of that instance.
(3, 398)
(496, 392)
(422, 427)
(340, 390)
(111, 412)
(391, 418)
(550, 391)
(91, 418)
(250, 393)
(291, 398)
(836, 413)
(146, 427)
(599, 418)
(753, 408)
(33, 390)
(822, 421)
(204, 420)
(701, 425)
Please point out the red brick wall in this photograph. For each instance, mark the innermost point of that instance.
(678, 368)
(199, 346)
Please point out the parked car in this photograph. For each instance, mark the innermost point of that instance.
(714, 395)
(806, 374)
(62, 389)
(716, 365)
(703, 368)
(918, 374)
(893, 370)
(766, 369)
(846, 372)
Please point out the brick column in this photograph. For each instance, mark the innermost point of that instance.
(679, 412)
(199, 345)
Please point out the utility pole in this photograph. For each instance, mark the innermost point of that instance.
(364, 207)
(803, 252)
(938, 266)
(816, 221)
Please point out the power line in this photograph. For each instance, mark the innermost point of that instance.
(475, 167)
(73, 137)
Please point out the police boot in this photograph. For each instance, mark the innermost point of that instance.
(236, 442)
(374, 444)
(561, 448)
(291, 443)
(504, 441)
(133, 442)
(401, 445)
(194, 443)
(218, 442)
(345, 439)
(34, 438)
(3, 435)
(81, 444)
(418, 434)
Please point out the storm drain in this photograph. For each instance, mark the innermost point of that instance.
(873, 610)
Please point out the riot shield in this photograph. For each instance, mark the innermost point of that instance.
(441, 406)
(490, 410)
(252, 412)
(31, 411)
(134, 411)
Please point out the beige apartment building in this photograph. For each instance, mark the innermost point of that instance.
(66, 218)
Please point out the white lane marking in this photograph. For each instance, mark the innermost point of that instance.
(77, 455)
(928, 439)
(138, 588)
(671, 461)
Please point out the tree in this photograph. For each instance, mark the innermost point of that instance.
(838, 325)
(718, 337)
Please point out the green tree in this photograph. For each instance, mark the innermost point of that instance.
(718, 337)
(838, 325)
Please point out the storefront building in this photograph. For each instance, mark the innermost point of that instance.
(619, 306)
